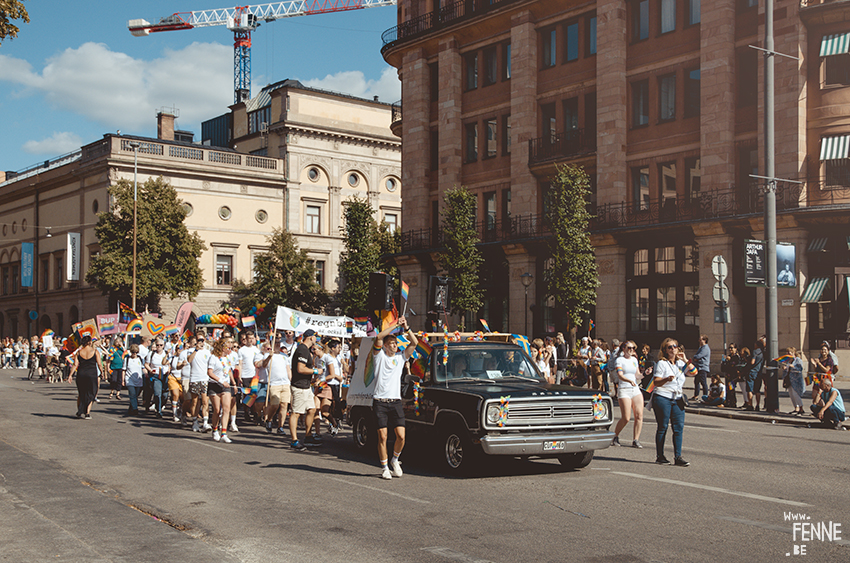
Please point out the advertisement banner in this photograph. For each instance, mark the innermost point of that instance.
(290, 319)
(72, 258)
(786, 264)
(108, 324)
(26, 264)
(183, 314)
(755, 267)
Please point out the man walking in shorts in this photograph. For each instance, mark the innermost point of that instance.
(303, 400)
(386, 401)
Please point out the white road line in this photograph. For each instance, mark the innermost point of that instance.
(691, 426)
(774, 527)
(376, 489)
(208, 445)
(713, 489)
(453, 555)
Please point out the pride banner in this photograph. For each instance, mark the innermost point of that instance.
(298, 321)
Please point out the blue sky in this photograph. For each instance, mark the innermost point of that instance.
(75, 72)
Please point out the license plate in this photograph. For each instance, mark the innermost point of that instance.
(552, 446)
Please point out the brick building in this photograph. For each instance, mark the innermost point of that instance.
(661, 102)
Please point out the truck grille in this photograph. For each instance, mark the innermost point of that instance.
(537, 413)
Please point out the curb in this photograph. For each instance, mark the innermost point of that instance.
(745, 415)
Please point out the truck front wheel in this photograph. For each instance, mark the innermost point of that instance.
(364, 434)
(577, 460)
(458, 453)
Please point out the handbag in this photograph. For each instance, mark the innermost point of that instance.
(682, 401)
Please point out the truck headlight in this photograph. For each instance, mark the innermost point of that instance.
(493, 414)
(600, 411)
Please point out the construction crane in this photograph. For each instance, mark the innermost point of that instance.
(242, 20)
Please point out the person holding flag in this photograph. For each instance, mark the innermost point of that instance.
(386, 402)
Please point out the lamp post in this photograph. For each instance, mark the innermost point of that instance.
(135, 146)
(526, 280)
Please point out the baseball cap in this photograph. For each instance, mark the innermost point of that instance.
(308, 333)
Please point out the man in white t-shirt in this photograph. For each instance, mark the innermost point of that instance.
(386, 402)
(185, 370)
(248, 356)
(199, 360)
(279, 393)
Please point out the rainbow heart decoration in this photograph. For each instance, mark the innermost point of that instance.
(156, 329)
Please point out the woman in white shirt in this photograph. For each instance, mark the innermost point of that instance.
(668, 402)
(219, 389)
(628, 393)
(333, 362)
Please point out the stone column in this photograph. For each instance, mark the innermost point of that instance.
(519, 262)
(415, 161)
(611, 300)
(524, 69)
(335, 210)
(450, 124)
(611, 99)
(717, 93)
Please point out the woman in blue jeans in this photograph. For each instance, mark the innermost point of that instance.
(668, 402)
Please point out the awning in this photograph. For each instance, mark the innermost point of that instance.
(836, 44)
(834, 148)
(814, 290)
(817, 244)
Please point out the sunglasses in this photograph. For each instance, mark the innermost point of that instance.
(672, 346)
(630, 348)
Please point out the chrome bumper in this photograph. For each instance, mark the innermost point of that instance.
(519, 445)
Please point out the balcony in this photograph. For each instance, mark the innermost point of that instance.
(560, 146)
(821, 12)
(395, 122)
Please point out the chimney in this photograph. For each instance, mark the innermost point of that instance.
(165, 126)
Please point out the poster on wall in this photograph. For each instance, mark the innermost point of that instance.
(754, 266)
(786, 264)
(72, 255)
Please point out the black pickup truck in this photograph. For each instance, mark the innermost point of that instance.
(489, 399)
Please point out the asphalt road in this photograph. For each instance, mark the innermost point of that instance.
(140, 489)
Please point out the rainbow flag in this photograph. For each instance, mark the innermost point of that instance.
(362, 322)
(422, 355)
(592, 325)
(651, 387)
(405, 291)
(47, 332)
(248, 322)
(522, 341)
(785, 358)
(485, 325)
(252, 391)
(134, 325)
(349, 327)
(171, 329)
(387, 317)
(126, 314)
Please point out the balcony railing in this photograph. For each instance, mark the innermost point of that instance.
(396, 111)
(714, 204)
(560, 146)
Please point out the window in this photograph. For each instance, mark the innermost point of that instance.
(435, 150)
(506, 62)
(472, 71)
(690, 259)
(391, 184)
(667, 97)
(640, 20)
(506, 205)
(668, 16)
(549, 123)
(665, 308)
(4, 272)
(14, 275)
(223, 269)
(667, 179)
(319, 267)
(391, 219)
(313, 220)
(59, 272)
(313, 174)
(549, 48)
(572, 42)
(692, 103)
(641, 262)
(506, 134)
(591, 36)
(640, 309)
(640, 103)
(640, 187)
(490, 210)
(491, 66)
(434, 69)
(570, 114)
(694, 175)
(491, 138)
(837, 172)
(691, 305)
(258, 121)
(45, 274)
(471, 142)
(225, 213)
(693, 12)
(665, 260)
(353, 180)
(836, 70)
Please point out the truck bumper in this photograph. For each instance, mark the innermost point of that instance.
(520, 445)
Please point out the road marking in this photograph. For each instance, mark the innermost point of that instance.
(208, 445)
(714, 489)
(773, 527)
(376, 489)
(601, 468)
(713, 429)
(454, 555)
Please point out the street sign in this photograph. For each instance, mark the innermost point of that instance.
(721, 315)
(754, 275)
(33, 314)
(719, 268)
(720, 292)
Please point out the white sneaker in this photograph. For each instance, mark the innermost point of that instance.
(151, 407)
(226, 439)
(334, 430)
(196, 427)
(176, 418)
(233, 427)
(385, 474)
(216, 435)
(397, 472)
(206, 428)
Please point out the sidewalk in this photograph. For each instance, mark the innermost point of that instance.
(841, 383)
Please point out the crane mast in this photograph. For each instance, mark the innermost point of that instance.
(242, 21)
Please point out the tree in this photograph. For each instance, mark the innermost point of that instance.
(11, 10)
(389, 243)
(572, 277)
(360, 257)
(167, 254)
(461, 259)
(283, 275)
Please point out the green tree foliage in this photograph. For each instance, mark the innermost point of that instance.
(360, 257)
(167, 254)
(389, 243)
(11, 10)
(461, 259)
(572, 278)
(283, 275)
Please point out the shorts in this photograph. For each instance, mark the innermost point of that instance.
(389, 414)
(324, 393)
(302, 400)
(629, 392)
(174, 384)
(280, 394)
(216, 388)
(185, 383)
(198, 387)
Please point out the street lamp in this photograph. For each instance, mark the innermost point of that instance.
(135, 146)
(526, 280)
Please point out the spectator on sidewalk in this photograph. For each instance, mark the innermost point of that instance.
(729, 368)
(702, 361)
(755, 377)
(796, 381)
(716, 393)
(823, 368)
(561, 358)
(830, 405)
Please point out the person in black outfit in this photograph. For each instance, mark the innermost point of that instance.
(86, 362)
(303, 401)
(729, 367)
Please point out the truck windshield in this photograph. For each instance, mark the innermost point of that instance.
(483, 362)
